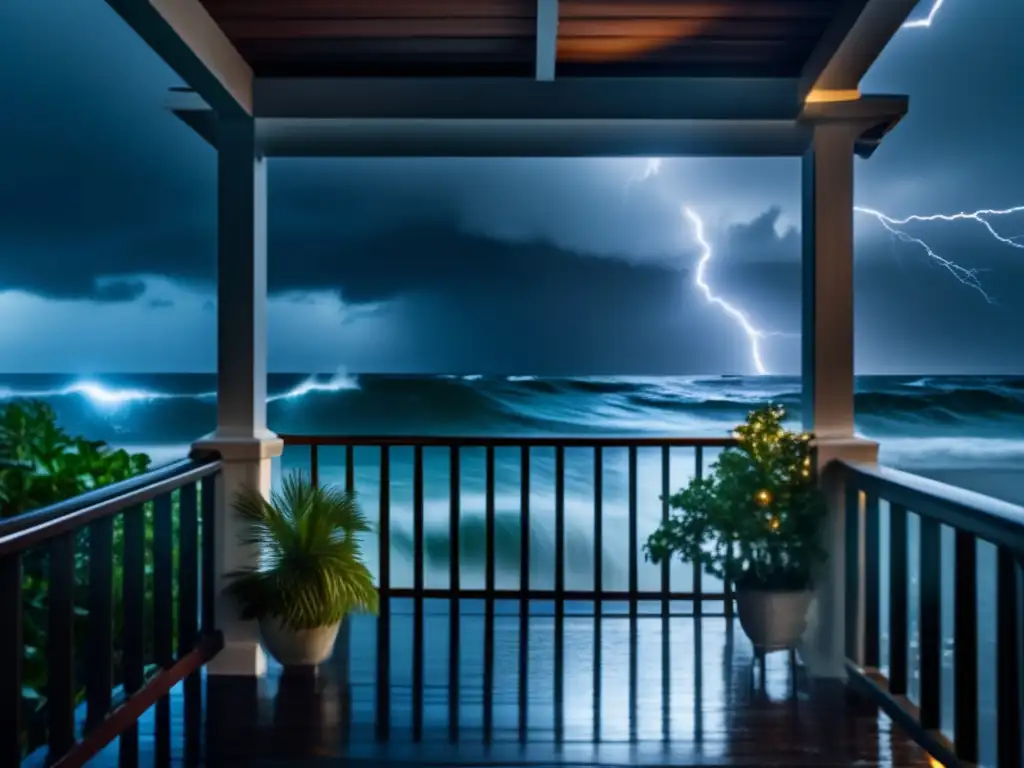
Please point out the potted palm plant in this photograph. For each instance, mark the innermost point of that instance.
(754, 520)
(311, 574)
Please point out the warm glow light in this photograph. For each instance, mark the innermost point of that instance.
(774, 523)
(934, 763)
(829, 96)
(764, 497)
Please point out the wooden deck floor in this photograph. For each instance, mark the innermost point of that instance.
(675, 691)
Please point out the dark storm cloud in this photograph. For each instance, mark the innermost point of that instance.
(764, 238)
(510, 260)
(119, 290)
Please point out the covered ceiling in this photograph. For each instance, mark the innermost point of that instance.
(497, 38)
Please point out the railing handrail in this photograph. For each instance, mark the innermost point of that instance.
(38, 526)
(996, 521)
(506, 441)
(34, 517)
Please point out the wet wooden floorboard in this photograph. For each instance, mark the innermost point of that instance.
(710, 704)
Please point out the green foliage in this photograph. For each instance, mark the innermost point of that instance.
(756, 518)
(43, 464)
(312, 572)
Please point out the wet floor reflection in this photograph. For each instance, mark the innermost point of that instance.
(571, 687)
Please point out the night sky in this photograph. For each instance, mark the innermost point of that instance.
(108, 244)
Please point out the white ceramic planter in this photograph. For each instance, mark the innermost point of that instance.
(773, 620)
(298, 648)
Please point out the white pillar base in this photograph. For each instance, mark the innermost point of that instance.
(823, 648)
(246, 462)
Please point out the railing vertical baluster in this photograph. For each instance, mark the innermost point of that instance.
(454, 619)
(965, 648)
(851, 517)
(666, 604)
(350, 468)
(598, 527)
(698, 573)
(188, 569)
(417, 626)
(634, 537)
(134, 604)
(384, 617)
(11, 655)
(163, 622)
(314, 464)
(559, 684)
(524, 588)
(208, 510)
(666, 569)
(872, 583)
(598, 583)
(1009, 596)
(188, 616)
(489, 524)
(898, 609)
(163, 581)
(99, 641)
(60, 662)
(634, 586)
(930, 623)
(489, 587)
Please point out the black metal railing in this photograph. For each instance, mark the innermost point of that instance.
(116, 641)
(972, 517)
(525, 592)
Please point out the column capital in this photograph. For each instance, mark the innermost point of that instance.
(862, 121)
(845, 449)
(229, 447)
(863, 110)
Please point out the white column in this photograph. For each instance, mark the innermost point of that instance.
(828, 365)
(245, 445)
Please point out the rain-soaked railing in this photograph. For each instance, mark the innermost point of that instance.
(888, 656)
(647, 469)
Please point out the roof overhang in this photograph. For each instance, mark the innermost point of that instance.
(565, 118)
(544, 113)
(185, 36)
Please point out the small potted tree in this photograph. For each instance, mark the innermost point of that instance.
(311, 573)
(754, 520)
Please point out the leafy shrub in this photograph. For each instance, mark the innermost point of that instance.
(756, 518)
(42, 464)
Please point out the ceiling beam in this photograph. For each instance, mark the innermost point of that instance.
(547, 39)
(524, 98)
(579, 137)
(530, 138)
(185, 36)
(852, 42)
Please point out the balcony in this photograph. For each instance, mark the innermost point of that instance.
(482, 669)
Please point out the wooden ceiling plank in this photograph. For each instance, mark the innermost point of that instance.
(371, 9)
(684, 9)
(384, 49)
(744, 28)
(246, 29)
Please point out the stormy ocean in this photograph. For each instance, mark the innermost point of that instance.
(967, 430)
(964, 430)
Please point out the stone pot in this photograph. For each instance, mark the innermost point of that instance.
(298, 648)
(774, 620)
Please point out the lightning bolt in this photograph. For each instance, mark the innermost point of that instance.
(754, 335)
(652, 168)
(927, 20)
(968, 277)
